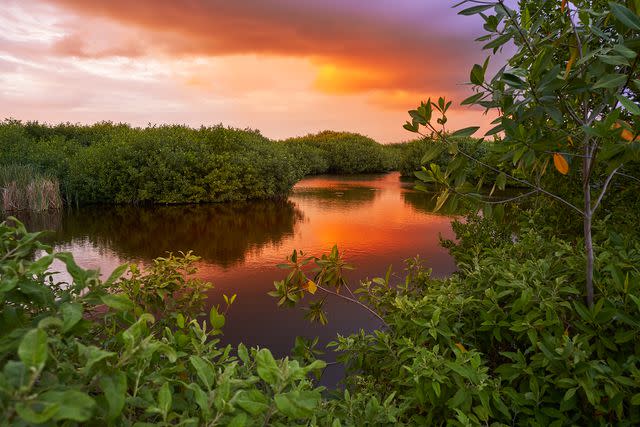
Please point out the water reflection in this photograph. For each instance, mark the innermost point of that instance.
(376, 221)
(222, 234)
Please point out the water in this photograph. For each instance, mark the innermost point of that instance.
(376, 221)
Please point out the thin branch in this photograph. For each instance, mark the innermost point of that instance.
(511, 199)
(355, 301)
(604, 189)
(564, 153)
(493, 202)
(349, 289)
(628, 176)
(575, 31)
(515, 24)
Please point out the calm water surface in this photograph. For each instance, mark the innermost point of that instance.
(376, 221)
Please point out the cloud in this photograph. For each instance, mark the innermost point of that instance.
(357, 49)
(287, 67)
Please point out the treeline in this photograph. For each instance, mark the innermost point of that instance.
(342, 153)
(117, 163)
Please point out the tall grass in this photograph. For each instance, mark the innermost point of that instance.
(23, 187)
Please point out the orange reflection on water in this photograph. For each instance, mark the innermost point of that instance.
(375, 220)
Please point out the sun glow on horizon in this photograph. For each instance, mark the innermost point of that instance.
(335, 66)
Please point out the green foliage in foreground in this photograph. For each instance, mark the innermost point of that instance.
(507, 340)
(413, 152)
(98, 353)
(115, 163)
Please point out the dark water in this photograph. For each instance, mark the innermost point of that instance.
(376, 220)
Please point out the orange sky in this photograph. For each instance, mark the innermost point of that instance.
(286, 67)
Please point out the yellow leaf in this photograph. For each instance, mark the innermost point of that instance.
(461, 347)
(627, 135)
(561, 163)
(312, 287)
(572, 59)
(563, 5)
(570, 141)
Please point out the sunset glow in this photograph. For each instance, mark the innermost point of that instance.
(285, 67)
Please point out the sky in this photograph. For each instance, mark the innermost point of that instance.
(285, 67)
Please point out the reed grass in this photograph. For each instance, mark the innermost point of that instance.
(23, 187)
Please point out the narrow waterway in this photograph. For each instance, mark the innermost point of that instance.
(376, 221)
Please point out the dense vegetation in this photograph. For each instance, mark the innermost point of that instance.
(507, 339)
(513, 338)
(342, 153)
(23, 187)
(115, 163)
(412, 153)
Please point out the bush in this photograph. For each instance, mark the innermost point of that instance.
(508, 339)
(89, 352)
(414, 151)
(114, 163)
(340, 152)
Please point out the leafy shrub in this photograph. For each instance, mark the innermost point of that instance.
(414, 151)
(508, 339)
(340, 152)
(109, 163)
(90, 352)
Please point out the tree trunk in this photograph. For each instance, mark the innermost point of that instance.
(588, 245)
(587, 216)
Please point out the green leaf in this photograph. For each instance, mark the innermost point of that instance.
(71, 315)
(629, 105)
(118, 302)
(74, 405)
(239, 420)
(624, 15)
(164, 399)
(33, 349)
(114, 388)
(203, 370)
(45, 412)
(243, 354)
(477, 74)
(411, 127)
(252, 401)
(201, 399)
(465, 132)
(635, 400)
(513, 80)
(92, 355)
(497, 42)
(115, 274)
(267, 367)
(624, 51)
(614, 60)
(609, 81)
(441, 200)
(434, 150)
(216, 319)
(78, 274)
(494, 130)
(297, 404)
(570, 393)
(472, 99)
(474, 10)
(501, 180)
